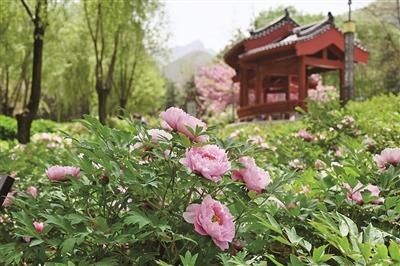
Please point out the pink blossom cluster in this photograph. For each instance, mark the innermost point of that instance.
(210, 161)
(175, 119)
(355, 194)
(254, 177)
(305, 135)
(212, 218)
(61, 173)
(389, 156)
(322, 94)
(215, 87)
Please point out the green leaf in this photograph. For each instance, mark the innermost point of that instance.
(137, 218)
(382, 251)
(294, 261)
(366, 251)
(343, 228)
(111, 261)
(394, 251)
(189, 259)
(318, 253)
(292, 236)
(36, 242)
(68, 245)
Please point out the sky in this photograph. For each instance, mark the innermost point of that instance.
(214, 21)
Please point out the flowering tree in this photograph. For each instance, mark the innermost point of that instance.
(215, 87)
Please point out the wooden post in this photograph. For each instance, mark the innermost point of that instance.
(341, 86)
(302, 83)
(241, 85)
(5, 187)
(258, 85)
(245, 87)
(288, 88)
(348, 86)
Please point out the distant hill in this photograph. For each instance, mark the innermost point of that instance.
(180, 51)
(180, 70)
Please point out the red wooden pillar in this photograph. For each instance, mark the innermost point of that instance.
(288, 88)
(246, 87)
(243, 87)
(266, 89)
(259, 85)
(302, 83)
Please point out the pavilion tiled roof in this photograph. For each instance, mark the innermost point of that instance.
(274, 25)
(299, 34)
(292, 34)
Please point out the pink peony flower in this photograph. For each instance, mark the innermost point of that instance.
(375, 191)
(389, 156)
(191, 122)
(9, 199)
(354, 194)
(212, 218)
(172, 117)
(305, 135)
(210, 161)
(159, 134)
(253, 176)
(32, 191)
(39, 226)
(178, 120)
(369, 142)
(61, 173)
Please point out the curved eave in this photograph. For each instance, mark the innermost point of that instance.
(308, 46)
(230, 57)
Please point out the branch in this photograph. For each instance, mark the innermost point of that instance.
(28, 10)
(398, 11)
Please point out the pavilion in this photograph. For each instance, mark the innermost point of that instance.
(275, 63)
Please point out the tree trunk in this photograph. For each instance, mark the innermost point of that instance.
(122, 104)
(24, 122)
(25, 119)
(102, 94)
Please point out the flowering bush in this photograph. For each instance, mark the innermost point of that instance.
(215, 87)
(144, 196)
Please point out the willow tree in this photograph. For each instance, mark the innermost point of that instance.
(140, 41)
(15, 54)
(105, 20)
(38, 19)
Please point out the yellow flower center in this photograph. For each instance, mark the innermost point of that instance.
(216, 219)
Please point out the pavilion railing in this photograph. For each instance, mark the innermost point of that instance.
(267, 108)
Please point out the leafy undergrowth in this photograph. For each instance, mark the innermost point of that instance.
(314, 195)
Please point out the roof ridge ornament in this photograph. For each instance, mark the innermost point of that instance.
(331, 18)
(287, 14)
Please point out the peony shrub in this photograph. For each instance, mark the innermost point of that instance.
(182, 196)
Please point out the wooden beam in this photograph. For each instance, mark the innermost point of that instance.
(323, 63)
(267, 108)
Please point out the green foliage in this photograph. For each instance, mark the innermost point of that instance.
(126, 207)
(8, 127)
(68, 78)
